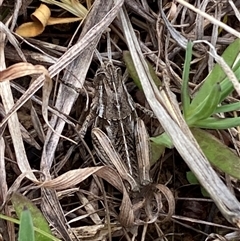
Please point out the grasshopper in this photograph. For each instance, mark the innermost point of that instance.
(119, 136)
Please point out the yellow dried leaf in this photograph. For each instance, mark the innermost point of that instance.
(30, 29)
(41, 14)
(41, 18)
(53, 21)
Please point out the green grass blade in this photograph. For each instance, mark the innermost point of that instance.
(206, 108)
(26, 232)
(185, 97)
(217, 123)
(228, 108)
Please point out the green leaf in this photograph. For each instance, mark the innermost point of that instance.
(204, 192)
(218, 154)
(156, 152)
(163, 140)
(16, 221)
(26, 232)
(206, 108)
(193, 180)
(133, 73)
(217, 123)
(185, 97)
(19, 202)
(228, 108)
(217, 74)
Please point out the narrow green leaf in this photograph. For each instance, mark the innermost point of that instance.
(218, 154)
(228, 108)
(26, 232)
(19, 201)
(10, 219)
(215, 123)
(217, 74)
(185, 97)
(206, 108)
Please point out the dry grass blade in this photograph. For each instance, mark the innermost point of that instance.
(84, 43)
(13, 123)
(95, 232)
(90, 209)
(74, 7)
(74, 177)
(170, 199)
(3, 183)
(181, 40)
(40, 19)
(181, 137)
(70, 178)
(27, 137)
(21, 69)
(137, 7)
(53, 212)
(235, 9)
(126, 215)
(12, 40)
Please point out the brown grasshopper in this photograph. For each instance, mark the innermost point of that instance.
(119, 135)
